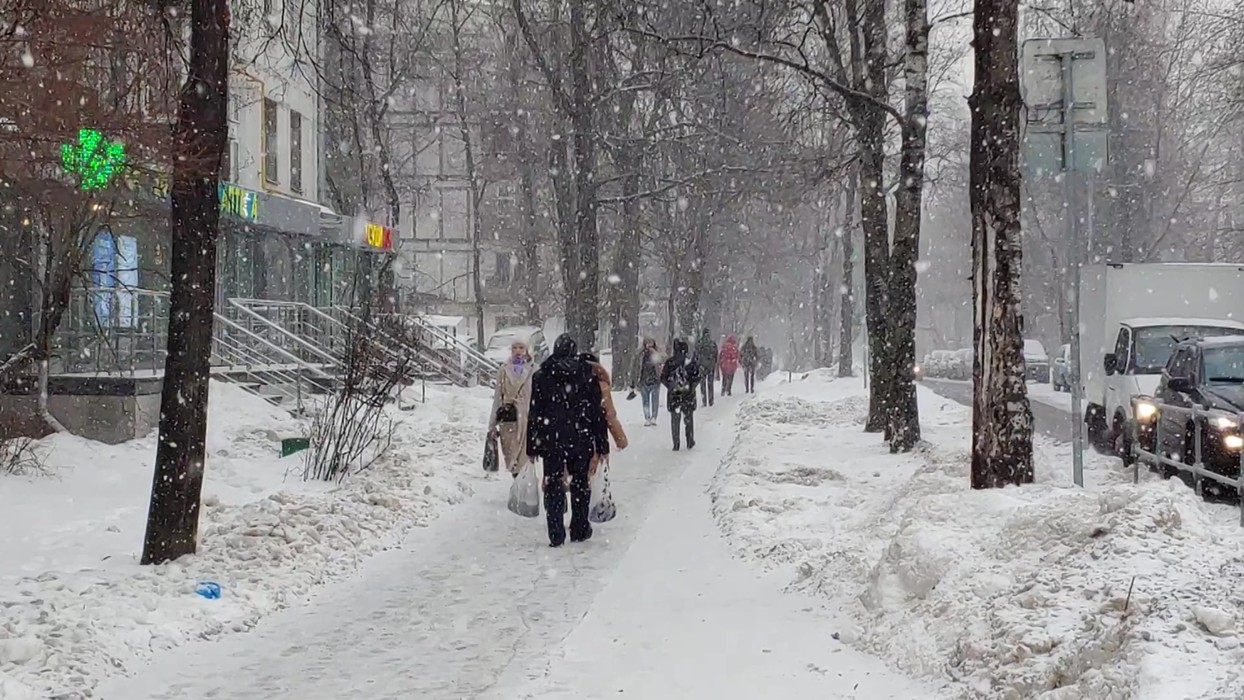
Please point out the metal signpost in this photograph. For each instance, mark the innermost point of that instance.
(1064, 91)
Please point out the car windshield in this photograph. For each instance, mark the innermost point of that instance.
(1224, 365)
(1034, 348)
(1154, 345)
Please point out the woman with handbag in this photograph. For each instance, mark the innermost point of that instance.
(510, 405)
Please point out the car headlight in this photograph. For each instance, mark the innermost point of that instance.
(1233, 442)
(917, 370)
(1225, 422)
(1145, 410)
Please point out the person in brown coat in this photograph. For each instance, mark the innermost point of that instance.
(611, 413)
(510, 405)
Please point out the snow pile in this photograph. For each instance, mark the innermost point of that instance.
(1048, 591)
(74, 604)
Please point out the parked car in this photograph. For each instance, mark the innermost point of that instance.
(960, 364)
(1208, 374)
(1036, 361)
(498, 348)
(1060, 371)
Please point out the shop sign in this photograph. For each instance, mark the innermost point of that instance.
(378, 237)
(239, 202)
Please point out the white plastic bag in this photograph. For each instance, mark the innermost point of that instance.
(525, 492)
(600, 507)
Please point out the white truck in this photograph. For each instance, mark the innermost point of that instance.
(1131, 316)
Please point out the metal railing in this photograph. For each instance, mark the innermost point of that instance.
(264, 368)
(1195, 420)
(117, 331)
(473, 360)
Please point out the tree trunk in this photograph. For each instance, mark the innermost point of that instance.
(846, 301)
(201, 134)
(873, 219)
(1001, 416)
(624, 296)
(583, 304)
(904, 416)
(529, 251)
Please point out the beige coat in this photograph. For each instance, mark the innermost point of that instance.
(516, 389)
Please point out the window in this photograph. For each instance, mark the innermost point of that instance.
(271, 172)
(1154, 344)
(295, 151)
(1120, 350)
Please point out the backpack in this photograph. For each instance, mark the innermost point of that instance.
(678, 379)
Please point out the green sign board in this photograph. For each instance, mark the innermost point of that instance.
(239, 202)
(94, 159)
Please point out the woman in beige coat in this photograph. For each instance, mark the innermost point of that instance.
(513, 389)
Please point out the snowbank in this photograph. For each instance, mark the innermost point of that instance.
(1047, 591)
(74, 604)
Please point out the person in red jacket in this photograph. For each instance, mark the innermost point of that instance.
(729, 364)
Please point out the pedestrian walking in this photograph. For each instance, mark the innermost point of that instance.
(680, 374)
(511, 403)
(765, 366)
(646, 379)
(728, 364)
(706, 357)
(749, 358)
(606, 391)
(567, 429)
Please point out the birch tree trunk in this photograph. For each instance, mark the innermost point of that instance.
(201, 134)
(846, 301)
(904, 414)
(1001, 416)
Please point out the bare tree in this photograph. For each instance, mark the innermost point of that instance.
(201, 137)
(1001, 416)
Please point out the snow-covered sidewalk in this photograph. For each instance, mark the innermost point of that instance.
(478, 606)
(1046, 591)
(76, 608)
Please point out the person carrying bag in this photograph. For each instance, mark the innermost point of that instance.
(510, 405)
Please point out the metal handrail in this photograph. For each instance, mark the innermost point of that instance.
(294, 359)
(314, 349)
(441, 334)
(237, 358)
(426, 357)
(1199, 416)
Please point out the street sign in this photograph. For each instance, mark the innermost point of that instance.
(1063, 85)
(1055, 72)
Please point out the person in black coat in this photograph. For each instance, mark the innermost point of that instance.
(566, 426)
(680, 374)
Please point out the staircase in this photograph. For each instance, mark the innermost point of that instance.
(312, 344)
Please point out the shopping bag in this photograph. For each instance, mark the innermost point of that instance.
(525, 492)
(491, 460)
(600, 507)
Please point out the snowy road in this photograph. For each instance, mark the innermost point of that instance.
(477, 606)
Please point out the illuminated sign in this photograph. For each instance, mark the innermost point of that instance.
(94, 159)
(378, 237)
(241, 203)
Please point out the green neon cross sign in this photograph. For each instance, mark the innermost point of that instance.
(94, 159)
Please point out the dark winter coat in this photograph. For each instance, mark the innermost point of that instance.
(681, 401)
(566, 419)
(647, 371)
(706, 352)
(749, 356)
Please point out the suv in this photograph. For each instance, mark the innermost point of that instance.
(1207, 374)
(1036, 361)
